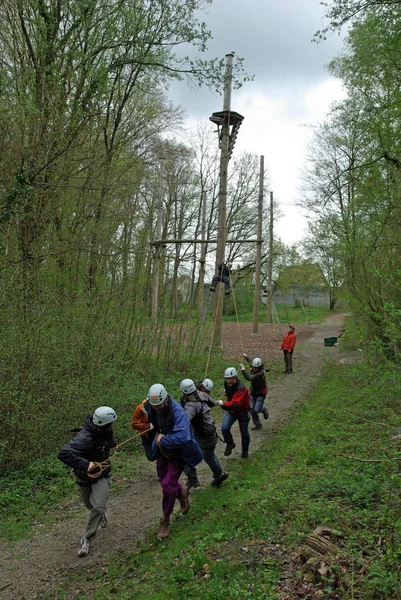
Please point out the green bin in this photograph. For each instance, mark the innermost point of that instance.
(330, 341)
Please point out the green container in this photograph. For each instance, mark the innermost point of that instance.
(330, 341)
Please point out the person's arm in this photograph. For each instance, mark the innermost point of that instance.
(181, 432)
(237, 402)
(291, 342)
(245, 373)
(72, 453)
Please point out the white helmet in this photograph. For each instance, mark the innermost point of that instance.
(157, 394)
(208, 384)
(230, 372)
(187, 386)
(256, 362)
(103, 416)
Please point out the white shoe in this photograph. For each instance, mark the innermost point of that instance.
(84, 547)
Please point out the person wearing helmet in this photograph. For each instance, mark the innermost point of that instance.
(237, 407)
(173, 447)
(206, 386)
(223, 276)
(90, 446)
(258, 389)
(196, 406)
(287, 346)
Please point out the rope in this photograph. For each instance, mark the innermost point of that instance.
(236, 315)
(106, 463)
(214, 324)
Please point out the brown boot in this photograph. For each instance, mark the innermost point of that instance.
(184, 500)
(164, 530)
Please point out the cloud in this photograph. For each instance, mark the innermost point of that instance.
(291, 93)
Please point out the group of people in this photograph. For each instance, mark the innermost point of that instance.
(176, 435)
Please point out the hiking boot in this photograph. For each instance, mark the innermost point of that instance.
(219, 480)
(192, 484)
(257, 426)
(244, 454)
(84, 547)
(164, 529)
(184, 501)
(265, 413)
(229, 449)
(212, 289)
(104, 521)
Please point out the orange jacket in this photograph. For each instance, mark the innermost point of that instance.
(288, 342)
(140, 419)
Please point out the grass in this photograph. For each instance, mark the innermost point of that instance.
(241, 541)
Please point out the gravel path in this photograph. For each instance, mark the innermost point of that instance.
(31, 568)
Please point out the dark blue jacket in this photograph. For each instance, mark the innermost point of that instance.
(89, 445)
(178, 439)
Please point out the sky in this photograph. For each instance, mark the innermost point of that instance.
(291, 92)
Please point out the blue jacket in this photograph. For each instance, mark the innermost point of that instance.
(178, 435)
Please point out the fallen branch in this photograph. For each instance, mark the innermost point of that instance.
(367, 460)
(6, 585)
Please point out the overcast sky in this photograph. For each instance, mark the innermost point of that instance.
(290, 92)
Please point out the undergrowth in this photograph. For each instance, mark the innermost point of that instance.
(335, 464)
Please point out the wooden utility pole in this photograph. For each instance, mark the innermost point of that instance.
(158, 249)
(222, 226)
(202, 259)
(258, 250)
(270, 266)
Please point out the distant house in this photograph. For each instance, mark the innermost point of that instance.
(302, 284)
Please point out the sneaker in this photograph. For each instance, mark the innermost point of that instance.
(265, 413)
(184, 501)
(84, 547)
(257, 426)
(104, 521)
(229, 449)
(219, 480)
(244, 454)
(164, 529)
(212, 289)
(192, 484)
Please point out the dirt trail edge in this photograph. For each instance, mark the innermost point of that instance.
(34, 567)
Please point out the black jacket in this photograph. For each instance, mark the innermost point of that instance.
(89, 445)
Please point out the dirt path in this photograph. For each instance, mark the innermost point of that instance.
(33, 567)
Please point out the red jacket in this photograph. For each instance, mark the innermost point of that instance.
(238, 399)
(288, 342)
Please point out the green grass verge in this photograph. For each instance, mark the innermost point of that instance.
(241, 541)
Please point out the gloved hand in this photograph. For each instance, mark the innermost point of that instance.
(241, 366)
(245, 355)
(219, 402)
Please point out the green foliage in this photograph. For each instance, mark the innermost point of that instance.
(237, 540)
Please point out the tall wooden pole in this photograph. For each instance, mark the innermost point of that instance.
(256, 299)
(221, 225)
(158, 249)
(202, 259)
(270, 266)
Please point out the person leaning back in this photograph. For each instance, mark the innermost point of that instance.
(83, 453)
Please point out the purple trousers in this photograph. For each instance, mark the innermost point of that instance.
(169, 472)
